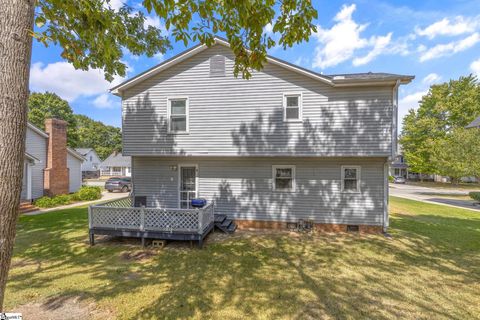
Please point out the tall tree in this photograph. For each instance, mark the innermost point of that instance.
(42, 106)
(95, 134)
(457, 155)
(443, 109)
(93, 35)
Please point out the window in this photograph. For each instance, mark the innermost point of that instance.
(283, 178)
(351, 178)
(292, 107)
(91, 158)
(178, 115)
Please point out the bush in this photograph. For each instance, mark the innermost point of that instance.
(475, 196)
(87, 193)
(391, 178)
(47, 202)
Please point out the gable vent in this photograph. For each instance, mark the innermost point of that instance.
(217, 66)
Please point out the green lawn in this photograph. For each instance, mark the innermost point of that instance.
(465, 186)
(429, 269)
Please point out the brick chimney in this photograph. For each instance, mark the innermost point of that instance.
(56, 175)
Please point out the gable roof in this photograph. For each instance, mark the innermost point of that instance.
(83, 151)
(116, 159)
(45, 135)
(333, 80)
(475, 123)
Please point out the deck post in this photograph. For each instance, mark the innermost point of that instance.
(91, 238)
(142, 218)
(200, 220)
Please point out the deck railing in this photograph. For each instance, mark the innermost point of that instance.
(120, 215)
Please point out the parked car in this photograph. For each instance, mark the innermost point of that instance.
(123, 184)
(399, 180)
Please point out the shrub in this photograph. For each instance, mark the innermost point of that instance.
(475, 195)
(87, 193)
(391, 178)
(50, 202)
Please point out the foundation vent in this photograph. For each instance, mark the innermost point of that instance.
(353, 228)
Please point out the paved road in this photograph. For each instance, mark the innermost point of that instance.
(433, 195)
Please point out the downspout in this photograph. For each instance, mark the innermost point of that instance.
(392, 156)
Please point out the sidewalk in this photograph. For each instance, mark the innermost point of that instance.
(106, 196)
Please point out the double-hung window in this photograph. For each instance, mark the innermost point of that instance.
(292, 107)
(178, 115)
(350, 178)
(283, 177)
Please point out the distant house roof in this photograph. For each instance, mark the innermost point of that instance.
(83, 151)
(116, 159)
(475, 123)
(75, 154)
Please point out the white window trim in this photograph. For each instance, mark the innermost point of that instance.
(179, 181)
(300, 106)
(187, 114)
(274, 173)
(359, 175)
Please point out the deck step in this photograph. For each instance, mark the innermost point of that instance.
(27, 207)
(225, 224)
(219, 218)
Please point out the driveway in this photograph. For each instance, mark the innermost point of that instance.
(434, 195)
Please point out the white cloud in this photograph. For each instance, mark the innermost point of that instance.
(446, 27)
(475, 67)
(268, 29)
(68, 83)
(450, 48)
(339, 43)
(379, 45)
(431, 79)
(343, 40)
(114, 4)
(105, 101)
(154, 21)
(408, 102)
(159, 57)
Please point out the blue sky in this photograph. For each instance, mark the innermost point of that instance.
(433, 40)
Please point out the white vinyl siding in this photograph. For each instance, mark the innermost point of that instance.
(292, 107)
(74, 166)
(231, 116)
(241, 187)
(36, 145)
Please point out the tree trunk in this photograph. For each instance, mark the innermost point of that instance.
(16, 24)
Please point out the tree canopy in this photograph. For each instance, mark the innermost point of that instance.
(42, 106)
(432, 136)
(82, 131)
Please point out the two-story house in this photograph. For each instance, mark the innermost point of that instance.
(91, 165)
(285, 145)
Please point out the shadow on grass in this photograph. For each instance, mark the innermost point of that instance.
(418, 273)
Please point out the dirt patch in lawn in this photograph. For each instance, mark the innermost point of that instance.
(138, 255)
(68, 308)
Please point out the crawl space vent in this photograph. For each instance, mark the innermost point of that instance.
(217, 66)
(353, 228)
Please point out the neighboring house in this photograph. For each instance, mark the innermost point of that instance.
(91, 165)
(116, 165)
(50, 167)
(475, 123)
(398, 167)
(285, 145)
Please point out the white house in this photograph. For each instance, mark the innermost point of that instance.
(285, 145)
(92, 162)
(50, 167)
(116, 165)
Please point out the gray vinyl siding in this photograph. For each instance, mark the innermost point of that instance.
(75, 173)
(24, 194)
(242, 187)
(231, 116)
(36, 145)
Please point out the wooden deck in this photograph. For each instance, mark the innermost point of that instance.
(120, 218)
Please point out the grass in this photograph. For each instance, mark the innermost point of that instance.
(429, 269)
